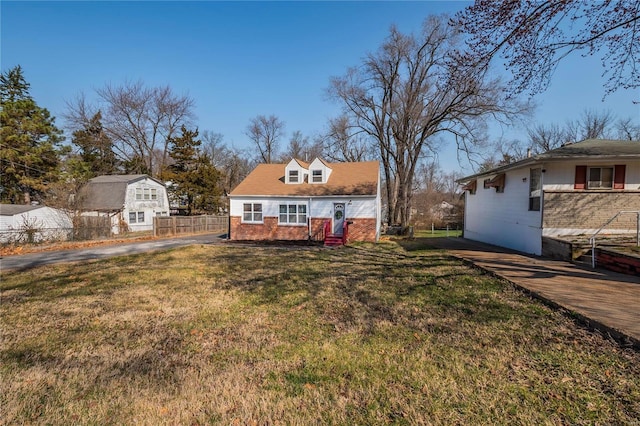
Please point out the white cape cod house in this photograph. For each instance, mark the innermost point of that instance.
(307, 201)
(568, 191)
(130, 201)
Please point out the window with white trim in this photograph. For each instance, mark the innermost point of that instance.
(154, 194)
(600, 178)
(316, 176)
(535, 189)
(252, 212)
(293, 214)
(138, 194)
(293, 176)
(136, 217)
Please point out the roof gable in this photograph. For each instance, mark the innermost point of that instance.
(325, 171)
(295, 172)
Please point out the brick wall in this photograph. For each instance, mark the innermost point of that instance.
(268, 230)
(317, 228)
(590, 209)
(362, 230)
(359, 230)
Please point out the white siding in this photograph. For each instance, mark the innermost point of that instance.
(319, 165)
(561, 176)
(320, 207)
(294, 165)
(149, 207)
(504, 219)
(51, 223)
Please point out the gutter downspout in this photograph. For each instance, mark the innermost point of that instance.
(309, 220)
(542, 172)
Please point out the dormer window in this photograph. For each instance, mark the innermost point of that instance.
(316, 176)
(293, 176)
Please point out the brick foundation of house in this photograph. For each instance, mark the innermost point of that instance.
(362, 230)
(359, 230)
(589, 209)
(268, 230)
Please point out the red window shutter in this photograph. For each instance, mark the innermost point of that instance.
(618, 176)
(581, 178)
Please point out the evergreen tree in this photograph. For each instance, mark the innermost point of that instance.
(195, 181)
(29, 142)
(96, 148)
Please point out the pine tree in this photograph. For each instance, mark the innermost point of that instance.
(96, 148)
(29, 142)
(194, 179)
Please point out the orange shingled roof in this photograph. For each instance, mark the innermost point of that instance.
(345, 179)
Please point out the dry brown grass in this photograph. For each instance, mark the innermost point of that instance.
(241, 335)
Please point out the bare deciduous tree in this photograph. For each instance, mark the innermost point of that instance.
(139, 119)
(590, 125)
(534, 36)
(234, 164)
(544, 138)
(412, 89)
(265, 133)
(628, 130)
(343, 142)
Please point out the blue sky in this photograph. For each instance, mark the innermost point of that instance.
(241, 59)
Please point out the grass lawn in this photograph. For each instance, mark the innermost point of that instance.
(239, 335)
(426, 233)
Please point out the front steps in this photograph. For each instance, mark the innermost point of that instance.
(332, 240)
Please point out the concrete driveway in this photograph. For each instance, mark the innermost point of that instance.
(27, 261)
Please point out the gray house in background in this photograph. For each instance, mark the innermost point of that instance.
(130, 201)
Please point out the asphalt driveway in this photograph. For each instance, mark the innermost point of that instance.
(31, 260)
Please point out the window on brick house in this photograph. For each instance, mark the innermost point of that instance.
(293, 214)
(607, 177)
(252, 212)
(600, 178)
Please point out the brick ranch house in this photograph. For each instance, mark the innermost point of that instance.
(307, 201)
(569, 191)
